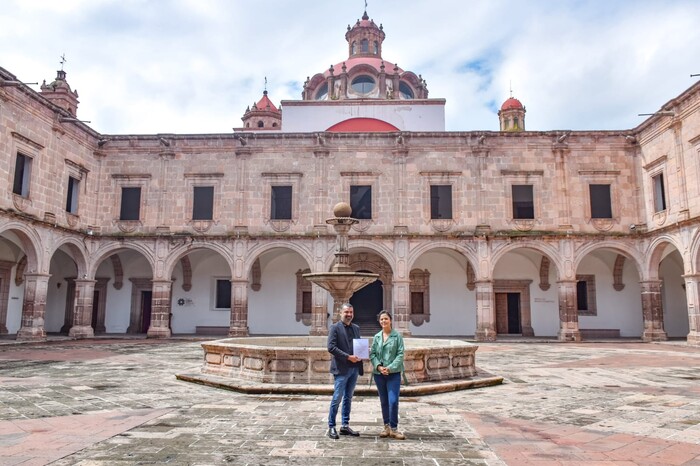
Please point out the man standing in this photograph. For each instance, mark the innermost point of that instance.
(345, 368)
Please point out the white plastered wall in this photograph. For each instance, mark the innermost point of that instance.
(61, 267)
(452, 305)
(673, 296)
(272, 309)
(616, 309)
(544, 305)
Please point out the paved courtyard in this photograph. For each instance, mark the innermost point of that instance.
(111, 402)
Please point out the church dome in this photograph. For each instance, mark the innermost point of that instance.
(511, 104)
(365, 74)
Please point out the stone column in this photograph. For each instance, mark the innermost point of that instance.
(82, 310)
(319, 311)
(402, 299)
(34, 307)
(239, 309)
(485, 311)
(692, 293)
(653, 311)
(568, 314)
(160, 310)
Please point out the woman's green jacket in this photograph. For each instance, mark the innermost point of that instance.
(387, 353)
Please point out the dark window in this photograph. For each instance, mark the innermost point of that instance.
(417, 302)
(72, 197)
(659, 193)
(306, 302)
(131, 204)
(361, 202)
(281, 205)
(582, 295)
(441, 201)
(523, 201)
(223, 294)
(405, 90)
(260, 124)
(23, 169)
(364, 46)
(203, 203)
(363, 84)
(322, 92)
(601, 207)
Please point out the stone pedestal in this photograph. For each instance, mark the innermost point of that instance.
(34, 307)
(239, 309)
(82, 310)
(692, 293)
(160, 310)
(568, 314)
(319, 311)
(653, 311)
(402, 312)
(485, 312)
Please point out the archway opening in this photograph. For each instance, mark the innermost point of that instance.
(367, 302)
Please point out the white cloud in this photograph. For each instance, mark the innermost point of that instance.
(192, 66)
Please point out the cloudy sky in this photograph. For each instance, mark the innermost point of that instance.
(192, 66)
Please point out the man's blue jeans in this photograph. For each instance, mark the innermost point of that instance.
(388, 387)
(343, 388)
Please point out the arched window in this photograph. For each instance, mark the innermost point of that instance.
(274, 125)
(322, 92)
(260, 124)
(247, 125)
(363, 84)
(364, 46)
(376, 47)
(405, 90)
(352, 48)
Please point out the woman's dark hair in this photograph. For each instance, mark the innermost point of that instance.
(384, 312)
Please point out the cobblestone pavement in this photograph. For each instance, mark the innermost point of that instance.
(102, 401)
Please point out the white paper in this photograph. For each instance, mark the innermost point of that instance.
(360, 348)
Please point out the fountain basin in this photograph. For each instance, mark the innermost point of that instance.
(287, 364)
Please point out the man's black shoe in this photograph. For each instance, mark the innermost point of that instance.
(345, 430)
(332, 433)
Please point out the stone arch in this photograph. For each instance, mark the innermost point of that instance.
(76, 250)
(694, 254)
(180, 252)
(656, 252)
(625, 249)
(548, 250)
(427, 246)
(113, 248)
(31, 244)
(255, 253)
(359, 244)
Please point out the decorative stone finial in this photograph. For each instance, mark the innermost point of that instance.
(342, 210)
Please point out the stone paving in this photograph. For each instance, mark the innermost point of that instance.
(112, 402)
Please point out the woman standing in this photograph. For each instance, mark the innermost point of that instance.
(386, 355)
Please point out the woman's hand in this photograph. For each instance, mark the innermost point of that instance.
(383, 370)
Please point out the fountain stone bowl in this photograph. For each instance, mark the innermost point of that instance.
(296, 364)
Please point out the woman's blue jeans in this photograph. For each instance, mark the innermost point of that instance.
(388, 387)
(343, 388)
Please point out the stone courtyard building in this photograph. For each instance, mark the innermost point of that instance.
(568, 234)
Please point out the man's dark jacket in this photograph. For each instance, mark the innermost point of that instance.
(340, 347)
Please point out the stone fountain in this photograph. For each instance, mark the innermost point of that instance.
(341, 282)
(285, 364)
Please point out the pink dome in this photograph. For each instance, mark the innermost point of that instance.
(512, 103)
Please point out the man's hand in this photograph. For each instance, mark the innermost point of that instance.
(353, 358)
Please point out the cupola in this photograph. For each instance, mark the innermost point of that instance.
(365, 74)
(262, 116)
(59, 93)
(365, 38)
(512, 115)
